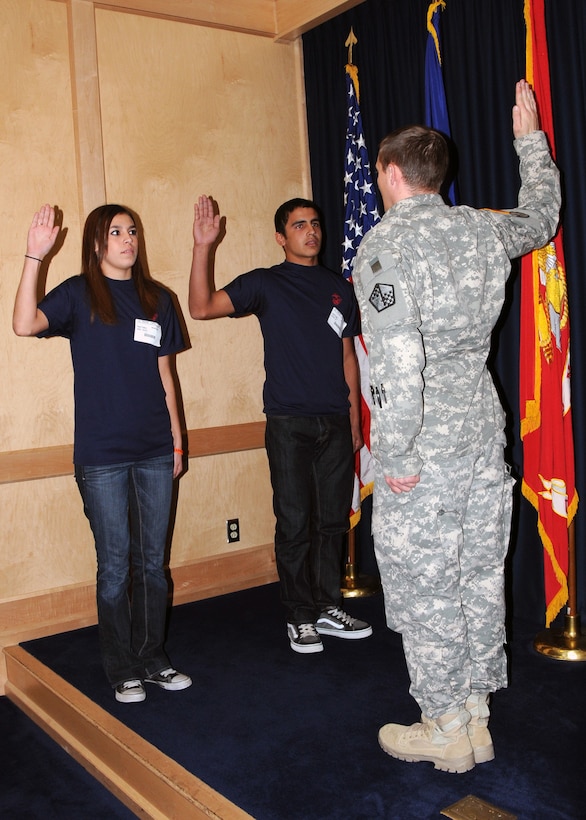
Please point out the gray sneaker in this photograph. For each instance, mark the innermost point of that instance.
(304, 638)
(130, 691)
(170, 679)
(334, 621)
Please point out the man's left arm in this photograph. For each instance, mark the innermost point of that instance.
(390, 325)
(352, 376)
(535, 221)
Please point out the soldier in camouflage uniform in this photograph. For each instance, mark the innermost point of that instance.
(430, 282)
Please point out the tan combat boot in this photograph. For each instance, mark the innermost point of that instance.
(443, 742)
(480, 739)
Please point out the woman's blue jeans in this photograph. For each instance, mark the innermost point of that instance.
(128, 507)
(312, 473)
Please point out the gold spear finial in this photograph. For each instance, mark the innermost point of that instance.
(351, 41)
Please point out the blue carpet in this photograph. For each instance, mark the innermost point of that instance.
(293, 737)
(38, 779)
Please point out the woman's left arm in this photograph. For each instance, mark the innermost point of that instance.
(168, 381)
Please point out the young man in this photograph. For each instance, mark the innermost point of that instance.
(308, 317)
(430, 282)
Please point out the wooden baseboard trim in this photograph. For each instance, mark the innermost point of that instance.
(137, 773)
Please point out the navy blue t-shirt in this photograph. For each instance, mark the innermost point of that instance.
(120, 408)
(304, 312)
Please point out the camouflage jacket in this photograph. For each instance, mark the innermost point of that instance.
(430, 281)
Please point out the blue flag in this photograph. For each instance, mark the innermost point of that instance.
(436, 108)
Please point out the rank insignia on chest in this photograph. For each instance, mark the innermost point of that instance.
(382, 296)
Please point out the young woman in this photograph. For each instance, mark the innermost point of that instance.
(123, 330)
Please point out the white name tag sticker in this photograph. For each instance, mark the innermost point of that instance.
(147, 332)
(336, 321)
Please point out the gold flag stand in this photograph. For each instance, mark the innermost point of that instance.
(567, 644)
(355, 585)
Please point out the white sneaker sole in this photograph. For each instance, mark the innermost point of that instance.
(306, 649)
(138, 698)
(349, 635)
(171, 687)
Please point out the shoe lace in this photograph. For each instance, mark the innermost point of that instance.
(340, 615)
(307, 631)
(419, 730)
(131, 684)
(168, 673)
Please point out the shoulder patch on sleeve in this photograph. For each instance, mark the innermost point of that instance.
(382, 296)
(390, 301)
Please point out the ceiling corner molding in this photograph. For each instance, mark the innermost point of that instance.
(292, 19)
(281, 20)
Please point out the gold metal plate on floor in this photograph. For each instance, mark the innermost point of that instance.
(473, 808)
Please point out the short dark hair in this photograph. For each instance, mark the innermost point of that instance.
(421, 153)
(283, 212)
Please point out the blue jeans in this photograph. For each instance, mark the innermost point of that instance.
(312, 473)
(128, 507)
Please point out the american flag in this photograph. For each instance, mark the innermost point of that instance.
(361, 213)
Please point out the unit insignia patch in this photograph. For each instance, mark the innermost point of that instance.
(382, 296)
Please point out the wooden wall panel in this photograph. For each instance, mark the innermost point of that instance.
(46, 540)
(190, 110)
(181, 110)
(215, 489)
(37, 158)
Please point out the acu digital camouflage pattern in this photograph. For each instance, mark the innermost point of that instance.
(430, 281)
(442, 572)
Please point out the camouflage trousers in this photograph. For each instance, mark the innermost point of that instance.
(441, 550)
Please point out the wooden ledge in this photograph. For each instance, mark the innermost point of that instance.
(143, 778)
(49, 462)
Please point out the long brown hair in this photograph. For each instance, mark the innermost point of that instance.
(93, 249)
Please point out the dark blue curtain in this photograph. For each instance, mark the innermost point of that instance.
(483, 55)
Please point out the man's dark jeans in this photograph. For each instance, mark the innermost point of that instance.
(312, 473)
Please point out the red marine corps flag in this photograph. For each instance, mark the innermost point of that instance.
(544, 378)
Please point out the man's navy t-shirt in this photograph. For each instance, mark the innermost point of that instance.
(120, 409)
(304, 312)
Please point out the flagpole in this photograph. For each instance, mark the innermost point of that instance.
(355, 585)
(567, 644)
(361, 212)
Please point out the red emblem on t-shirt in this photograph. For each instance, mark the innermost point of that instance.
(336, 298)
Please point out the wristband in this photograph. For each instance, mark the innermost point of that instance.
(177, 450)
(36, 258)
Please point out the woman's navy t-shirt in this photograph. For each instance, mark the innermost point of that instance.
(120, 409)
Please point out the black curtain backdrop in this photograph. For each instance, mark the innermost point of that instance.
(483, 54)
